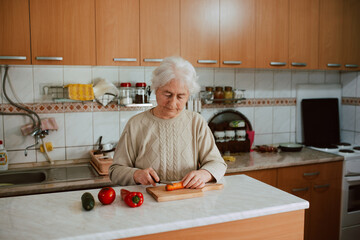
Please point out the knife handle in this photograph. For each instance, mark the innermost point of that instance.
(212, 186)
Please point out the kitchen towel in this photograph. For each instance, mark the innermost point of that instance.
(82, 92)
(46, 124)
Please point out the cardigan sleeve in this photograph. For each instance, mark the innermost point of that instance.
(209, 155)
(122, 170)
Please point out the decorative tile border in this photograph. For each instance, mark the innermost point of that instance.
(351, 101)
(96, 107)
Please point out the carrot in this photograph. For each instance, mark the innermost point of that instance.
(174, 186)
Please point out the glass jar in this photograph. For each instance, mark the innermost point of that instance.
(219, 93)
(125, 93)
(239, 94)
(209, 95)
(140, 93)
(228, 94)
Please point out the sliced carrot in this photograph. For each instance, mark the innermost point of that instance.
(174, 186)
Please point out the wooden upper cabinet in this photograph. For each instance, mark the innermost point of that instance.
(63, 32)
(237, 33)
(304, 34)
(272, 28)
(200, 32)
(117, 32)
(159, 30)
(351, 46)
(14, 32)
(330, 34)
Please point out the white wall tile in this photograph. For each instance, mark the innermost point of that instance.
(263, 120)
(77, 74)
(357, 117)
(348, 114)
(282, 84)
(264, 84)
(225, 77)
(56, 154)
(316, 76)
(261, 139)
(109, 73)
(245, 79)
(208, 113)
(281, 138)
(132, 75)
(282, 119)
(19, 157)
(298, 77)
(148, 71)
(358, 85)
(57, 137)
(206, 77)
(78, 152)
(78, 129)
(2, 128)
(356, 138)
(293, 119)
(14, 140)
(332, 77)
(348, 82)
(107, 125)
(19, 84)
(348, 136)
(46, 76)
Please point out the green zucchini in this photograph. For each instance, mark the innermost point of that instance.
(87, 201)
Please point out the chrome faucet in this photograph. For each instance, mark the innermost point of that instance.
(37, 133)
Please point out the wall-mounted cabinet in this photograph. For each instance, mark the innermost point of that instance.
(14, 32)
(63, 32)
(304, 34)
(237, 33)
(272, 33)
(200, 32)
(117, 32)
(351, 33)
(159, 30)
(330, 34)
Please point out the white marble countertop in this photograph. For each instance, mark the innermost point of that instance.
(60, 215)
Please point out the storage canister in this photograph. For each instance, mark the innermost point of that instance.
(140, 93)
(228, 94)
(125, 93)
(209, 95)
(219, 93)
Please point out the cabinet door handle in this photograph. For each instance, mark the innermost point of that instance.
(278, 63)
(125, 59)
(322, 186)
(333, 65)
(296, 64)
(232, 62)
(300, 189)
(207, 61)
(351, 65)
(153, 59)
(49, 58)
(311, 174)
(12, 58)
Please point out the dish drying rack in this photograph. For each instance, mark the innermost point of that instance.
(61, 94)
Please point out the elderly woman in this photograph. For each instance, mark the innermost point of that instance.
(168, 142)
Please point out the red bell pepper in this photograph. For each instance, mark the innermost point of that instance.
(132, 199)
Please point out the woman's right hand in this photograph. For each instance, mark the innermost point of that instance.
(146, 176)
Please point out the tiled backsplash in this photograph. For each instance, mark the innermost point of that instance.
(272, 118)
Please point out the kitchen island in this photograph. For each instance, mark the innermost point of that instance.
(244, 206)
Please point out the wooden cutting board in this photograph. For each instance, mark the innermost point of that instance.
(161, 195)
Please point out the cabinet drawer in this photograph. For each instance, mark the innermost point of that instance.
(318, 172)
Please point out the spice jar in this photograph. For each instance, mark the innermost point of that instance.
(140, 93)
(228, 94)
(219, 93)
(125, 93)
(209, 95)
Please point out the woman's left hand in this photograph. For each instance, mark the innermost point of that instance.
(196, 179)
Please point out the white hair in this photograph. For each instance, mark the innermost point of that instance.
(175, 68)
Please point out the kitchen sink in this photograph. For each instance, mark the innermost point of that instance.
(43, 175)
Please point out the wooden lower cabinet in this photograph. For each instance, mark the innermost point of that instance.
(268, 176)
(288, 225)
(320, 184)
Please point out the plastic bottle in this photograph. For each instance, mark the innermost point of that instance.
(4, 163)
